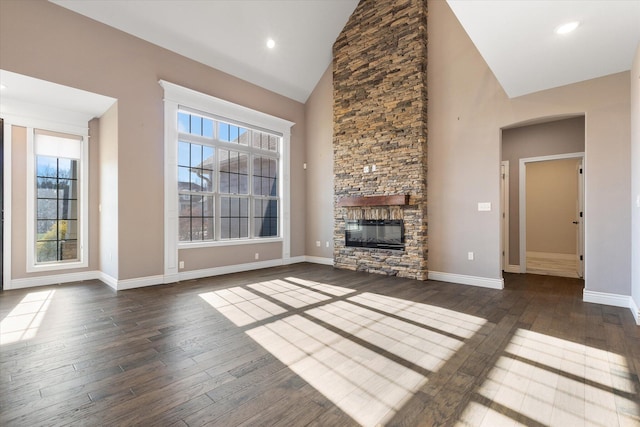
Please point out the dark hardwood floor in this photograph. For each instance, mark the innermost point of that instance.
(310, 345)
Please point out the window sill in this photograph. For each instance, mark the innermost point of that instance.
(222, 243)
(57, 266)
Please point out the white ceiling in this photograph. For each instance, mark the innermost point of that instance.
(517, 39)
(231, 35)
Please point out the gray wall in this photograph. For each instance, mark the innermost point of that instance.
(544, 139)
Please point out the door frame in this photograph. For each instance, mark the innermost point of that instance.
(6, 196)
(523, 201)
(504, 196)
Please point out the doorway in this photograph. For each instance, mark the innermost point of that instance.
(543, 139)
(552, 220)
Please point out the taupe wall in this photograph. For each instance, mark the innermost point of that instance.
(108, 170)
(319, 173)
(40, 39)
(551, 199)
(467, 109)
(543, 139)
(635, 181)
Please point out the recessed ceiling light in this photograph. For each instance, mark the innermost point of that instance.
(271, 43)
(567, 28)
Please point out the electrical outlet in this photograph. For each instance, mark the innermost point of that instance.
(366, 169)
(181, 264)
(327, 243)
(470, 256)
(318, 243)
(257, 255)
(373, 168)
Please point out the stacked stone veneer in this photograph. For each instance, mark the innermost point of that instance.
(380, 118)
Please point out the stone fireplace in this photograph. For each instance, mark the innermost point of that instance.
(380, 132)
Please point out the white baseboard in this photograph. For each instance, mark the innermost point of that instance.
(293, 260)
(635, 310)
(511, 268)
(54, 279)
(462, 279)
(319, 260)
(228, 269)
(615, 300)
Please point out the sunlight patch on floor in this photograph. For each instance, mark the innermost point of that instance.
(555, 382)
(366, 353)
(23, 321)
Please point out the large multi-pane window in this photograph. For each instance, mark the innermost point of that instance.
(227, 180)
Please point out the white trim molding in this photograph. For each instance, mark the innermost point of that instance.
(319, 260)
(462, 279)
(615, 300)
(635, 310)
(55, 279)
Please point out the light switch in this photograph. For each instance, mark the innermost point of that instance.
(366, 169)
(484, 206)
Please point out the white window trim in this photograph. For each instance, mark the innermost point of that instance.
(83, 262)
(176, 96)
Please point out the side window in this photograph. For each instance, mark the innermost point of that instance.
(56, 201)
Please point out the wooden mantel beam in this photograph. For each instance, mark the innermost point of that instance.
(356, 201)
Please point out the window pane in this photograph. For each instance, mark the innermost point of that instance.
(224, 182)
(273, 143)
(243, 136)
(184, 229)
(68, 250)
(196, 155)
(207, 206)
(67, 168)
(196, 181)
(207, 128)
(68, 209)
(224, 160)
(68, 229)
(196, 125)
(244, 208)
(67, 188)
(208, 161)
(46, 230)
(184, 180)
(184, 151)
(46, 209)
(196, 206)
(47, 251)
(196, 228)
(46, 187)
(224, 207)
(184, 205)
(266, 218)
(207, 180)
(224, 228)
(183, 122)
(207, 229)
(47, 166)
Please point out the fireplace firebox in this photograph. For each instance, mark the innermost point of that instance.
(375, 233)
